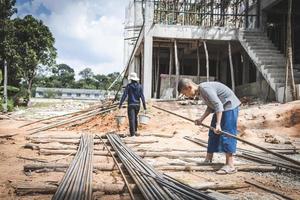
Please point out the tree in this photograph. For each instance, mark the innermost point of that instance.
(60, 76)
(65, 75)
(87, 80)
(34, 46)
(7, 10)
(6, 30)
(112, 77)
(102, 81)
(86, 73)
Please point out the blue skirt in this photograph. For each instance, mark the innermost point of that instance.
(223, 143)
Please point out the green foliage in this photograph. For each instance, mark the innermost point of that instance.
(10, 105)
(28, 44)
(10, 88)
(102, 81)
(20, 97)
(87, 73)
(7, 8)
(35, 45)
(62, 76)
(112, 78)
(85, 84)
(65, 75)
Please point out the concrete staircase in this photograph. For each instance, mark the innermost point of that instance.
(267, 58)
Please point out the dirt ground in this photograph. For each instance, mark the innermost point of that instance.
(269, 125)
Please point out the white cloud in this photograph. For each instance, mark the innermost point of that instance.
(88, 33)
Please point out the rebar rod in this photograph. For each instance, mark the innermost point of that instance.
(236, 137)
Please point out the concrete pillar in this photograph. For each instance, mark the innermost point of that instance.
(137, 64)
(246, 65)
(131, 66)
(138, 17)
(259, 80)
(148, 48)
(223, 71)
(142, 67)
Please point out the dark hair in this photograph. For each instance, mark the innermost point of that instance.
(183, 83)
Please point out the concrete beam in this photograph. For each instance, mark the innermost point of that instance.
(266, 4)
(194, 32)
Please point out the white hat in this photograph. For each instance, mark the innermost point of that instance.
(133, 76)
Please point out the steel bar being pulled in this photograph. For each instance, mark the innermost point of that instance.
(237, 138)
(254, 156)
(152, 184)
(77, 181)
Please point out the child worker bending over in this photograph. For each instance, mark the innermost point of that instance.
(221, 101)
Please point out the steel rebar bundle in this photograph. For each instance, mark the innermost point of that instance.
(88, 114)
(152, 184)
(77, 181)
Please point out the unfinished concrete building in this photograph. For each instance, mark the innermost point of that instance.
(241, 43)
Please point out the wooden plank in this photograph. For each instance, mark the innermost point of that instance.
(43, 188)
(170, 65)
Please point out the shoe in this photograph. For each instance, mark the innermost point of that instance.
(207, 161)
(226, 169)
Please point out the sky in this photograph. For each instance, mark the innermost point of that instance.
(88, 33)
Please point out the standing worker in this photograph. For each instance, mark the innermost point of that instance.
(221, 101)
(134, 91)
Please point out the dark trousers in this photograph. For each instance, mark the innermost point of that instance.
(133, 111)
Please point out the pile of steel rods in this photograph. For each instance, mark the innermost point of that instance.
(77, 182)
(152, 184)
(85, 115)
